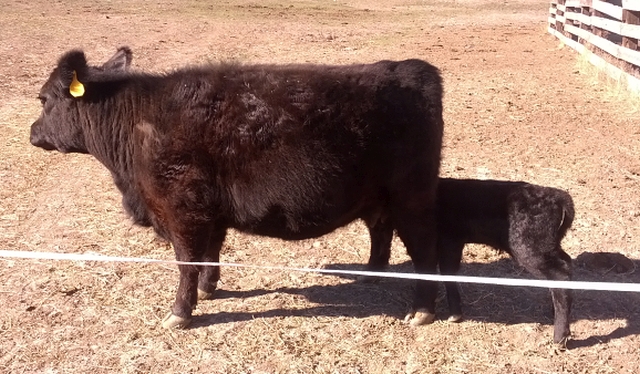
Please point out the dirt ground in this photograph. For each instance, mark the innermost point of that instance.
(518, 106)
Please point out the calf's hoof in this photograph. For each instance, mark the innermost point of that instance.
(366, 279)
(171, 321)
(204, 295)
(419, 317)
(455, 318)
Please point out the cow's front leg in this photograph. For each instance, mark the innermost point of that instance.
(186, 298)
(189, 246)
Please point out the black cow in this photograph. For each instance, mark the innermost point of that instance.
(291, 151)
(524, 220)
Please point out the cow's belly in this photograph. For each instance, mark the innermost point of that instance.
(304, 224)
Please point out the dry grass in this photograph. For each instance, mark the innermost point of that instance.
(516, 108)
(612, 88)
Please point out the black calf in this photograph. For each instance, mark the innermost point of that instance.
(524, 220)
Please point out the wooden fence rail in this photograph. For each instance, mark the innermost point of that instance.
(607, 31)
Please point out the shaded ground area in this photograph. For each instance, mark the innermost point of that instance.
(518, 106)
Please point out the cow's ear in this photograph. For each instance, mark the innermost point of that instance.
(120, 61)
(72, 70)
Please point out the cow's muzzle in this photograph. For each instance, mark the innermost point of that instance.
(38, 140)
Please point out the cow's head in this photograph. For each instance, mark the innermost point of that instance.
(60, 124)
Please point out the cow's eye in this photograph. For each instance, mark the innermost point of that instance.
(42, 99)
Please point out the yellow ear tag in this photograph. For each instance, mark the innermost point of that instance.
(76, 89)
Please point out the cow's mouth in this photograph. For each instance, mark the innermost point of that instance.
(42, 144)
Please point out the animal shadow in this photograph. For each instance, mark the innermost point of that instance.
(517, 305)
(359, 299)
(487, 303)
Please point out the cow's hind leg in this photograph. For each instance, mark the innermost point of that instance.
(418, 233)
(449, 257)
(190, 246)
(210, 275)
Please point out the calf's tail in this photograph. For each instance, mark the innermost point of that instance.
(568, 212)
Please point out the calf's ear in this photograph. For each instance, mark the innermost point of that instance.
(72, 69)
(120, 61)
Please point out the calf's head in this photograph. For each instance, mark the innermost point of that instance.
(68, 88)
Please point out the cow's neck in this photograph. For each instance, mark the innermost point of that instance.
(110, 138)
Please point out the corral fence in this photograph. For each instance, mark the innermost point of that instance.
(605, 31)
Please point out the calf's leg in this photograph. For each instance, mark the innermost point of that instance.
(562, 299)
(381, 234)
(553, 265)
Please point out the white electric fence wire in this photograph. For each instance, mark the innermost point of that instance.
(574, 285)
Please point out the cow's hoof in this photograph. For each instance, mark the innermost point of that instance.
(171, 321)
(455, 318)
(419, 317)
(204, 295)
